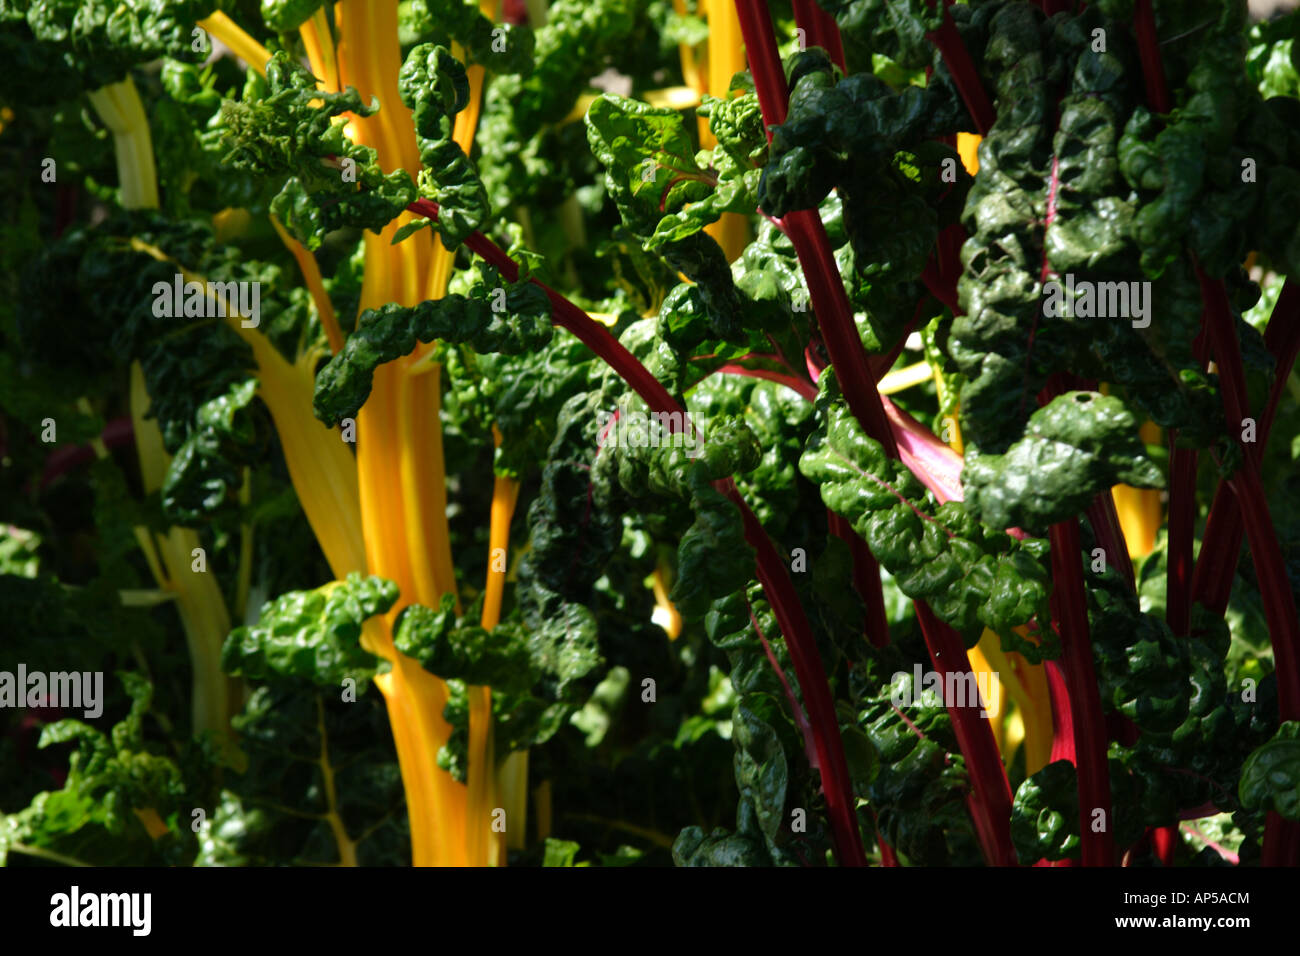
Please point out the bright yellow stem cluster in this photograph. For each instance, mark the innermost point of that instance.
(1029, 725)
(399, 456)
(399, 481)
(323, 473)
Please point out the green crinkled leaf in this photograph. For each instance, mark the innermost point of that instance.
(1128, 192)
(760, 770)
(541, 659)
(452, 648)
(1045, 815)
(572, 535)
(895, 28)
(719, 848)
(844, 132)
(312, 636)
(1141, 666)
(198, 372)
(435, 86)
(502, 48)
(287, 15)
(331, 182)
(737, 124)
(762, 736)
(563, 644)
(665, 196)
(282, 132)
(19, 549)
(649, 458)
(1271, 60)
(736, 194)
(560, 853)
(311, 214)
(109, 775)
(322, 786)
(649, 160)
(701, 260)
(770, 276)
(1270, 777)
(972, 575)
(658, 454)
(206, 472)
(713, 558)
(521, 154)
(601, 709)
(918, 783)
(495, 317)
(1075, 447)
(76, 45)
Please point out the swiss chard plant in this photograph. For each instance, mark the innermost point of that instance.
(612, 432)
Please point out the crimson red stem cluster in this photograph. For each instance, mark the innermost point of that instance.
(990, 802)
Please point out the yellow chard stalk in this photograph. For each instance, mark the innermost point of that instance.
(484, 782)
(968, 149)
(726, 58)
(1140, 511)
(1030, 724)
(152, 822)
(320, 466)
(237, 41)
(905, 378)
(319, 43)
(119, 106)
(399, 452)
